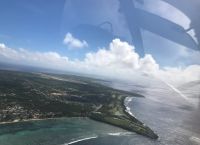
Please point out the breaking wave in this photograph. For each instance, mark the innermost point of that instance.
(79, 140)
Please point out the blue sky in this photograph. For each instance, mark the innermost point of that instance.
(41, 25)
(31, 24)
(93, 37)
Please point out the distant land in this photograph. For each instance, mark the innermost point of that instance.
(34, 95)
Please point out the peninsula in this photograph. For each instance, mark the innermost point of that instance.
(25, 96)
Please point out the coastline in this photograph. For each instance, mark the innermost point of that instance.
(39, 119)
(128, 109)
(26, 120)
(125, 121)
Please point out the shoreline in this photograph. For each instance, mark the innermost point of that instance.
(39, 119)
(127, 121)
(128, 109)
(19, 121)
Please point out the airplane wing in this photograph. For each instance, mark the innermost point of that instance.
(165, 28)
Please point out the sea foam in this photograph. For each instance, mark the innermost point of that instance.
(79, 140)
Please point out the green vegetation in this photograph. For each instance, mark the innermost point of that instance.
(39, 96)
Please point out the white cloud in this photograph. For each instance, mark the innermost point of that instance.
(178, 76)
(121, 56)
(73, 42)
(23, 56)
(119, 60)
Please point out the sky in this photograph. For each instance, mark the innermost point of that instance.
(93, 37)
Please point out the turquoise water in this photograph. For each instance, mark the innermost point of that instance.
(53, 131)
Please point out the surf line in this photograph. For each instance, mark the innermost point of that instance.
(83, 139)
